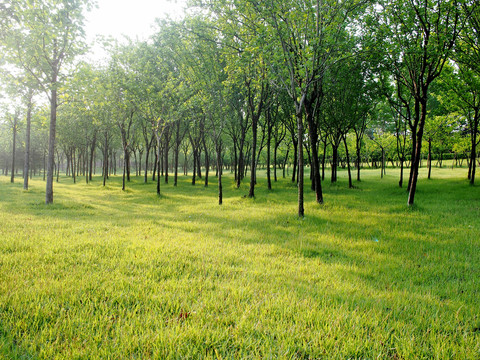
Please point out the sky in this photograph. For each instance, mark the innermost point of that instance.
(133, 18)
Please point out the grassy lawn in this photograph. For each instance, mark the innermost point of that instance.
(106, 274)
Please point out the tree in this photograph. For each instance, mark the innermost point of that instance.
(418, 37)
(42, 40)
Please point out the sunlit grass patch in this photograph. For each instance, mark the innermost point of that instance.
(103, 273)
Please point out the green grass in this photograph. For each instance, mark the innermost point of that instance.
(106, 274)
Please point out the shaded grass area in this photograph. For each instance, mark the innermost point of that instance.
(103, 273)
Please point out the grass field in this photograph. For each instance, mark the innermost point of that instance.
(106, 274)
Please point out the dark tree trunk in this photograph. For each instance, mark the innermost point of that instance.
(473, 156)
(105, 160)
(219, 168)
(199, 162)
(400, 182)
(295, 158)
(26, 163)
(269, 137)
(92, 154)
(14, 145)
(194, 167)
(74, 166)
(51, 138)
(429, 159)
(359, 157)
(158, 158)
(418, 151)
(285, 162)
(251, 192)
(155, 163)
(300, 178)
(127, 164)
(315, 164)
(207, 160)
(350, 185)
(167, 135)
(334, 162)
(324, 156)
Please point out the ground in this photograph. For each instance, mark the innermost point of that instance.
(103, 273)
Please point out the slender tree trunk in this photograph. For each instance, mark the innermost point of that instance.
(219, 168)
(194, 166)
(429, 160)
(350, 185)
(51, 139)
(177, 150)
(400, 182)
(251, 192)
(295, 158)
(269, 138)
(14, 145)
(199, 162)
(74, 166)
(334, 162)
(92, 155)
(26, 163)
(275, 149)
(285, 163)
(166, 157)
(125, 162)
(359, 154)
(418, 153)
(473, 157)
(157, 159)
(315, 164)
(207, 160)
(155, 163)
(324, 158)
(147, 158)
(300, 178)
(105, 160)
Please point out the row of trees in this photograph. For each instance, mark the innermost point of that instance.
(248, 83)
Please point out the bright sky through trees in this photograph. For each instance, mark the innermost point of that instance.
(116, 18)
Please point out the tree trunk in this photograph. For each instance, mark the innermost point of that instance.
(315, 163)
(158, 158)
(269, 137)
(418, 153)
(350, 185)
(400, 182)
(92, 155)
(295, 158)
(473, 156)
(251, 192)
(429, 160)
(51, 139)
(207, 160)
(219, 168)
(301, 210)
(194, 166)
(26, 164)
(334, 162)
(12, 177)
(125, 162)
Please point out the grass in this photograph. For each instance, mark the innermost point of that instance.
(105, 274)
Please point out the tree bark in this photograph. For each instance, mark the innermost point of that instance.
(26, 164)
(350, 185)
(251, 192)
(418, 151)
(300, 178)
(14, 145)
(51, 137)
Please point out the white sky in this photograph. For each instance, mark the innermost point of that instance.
(133, 18)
